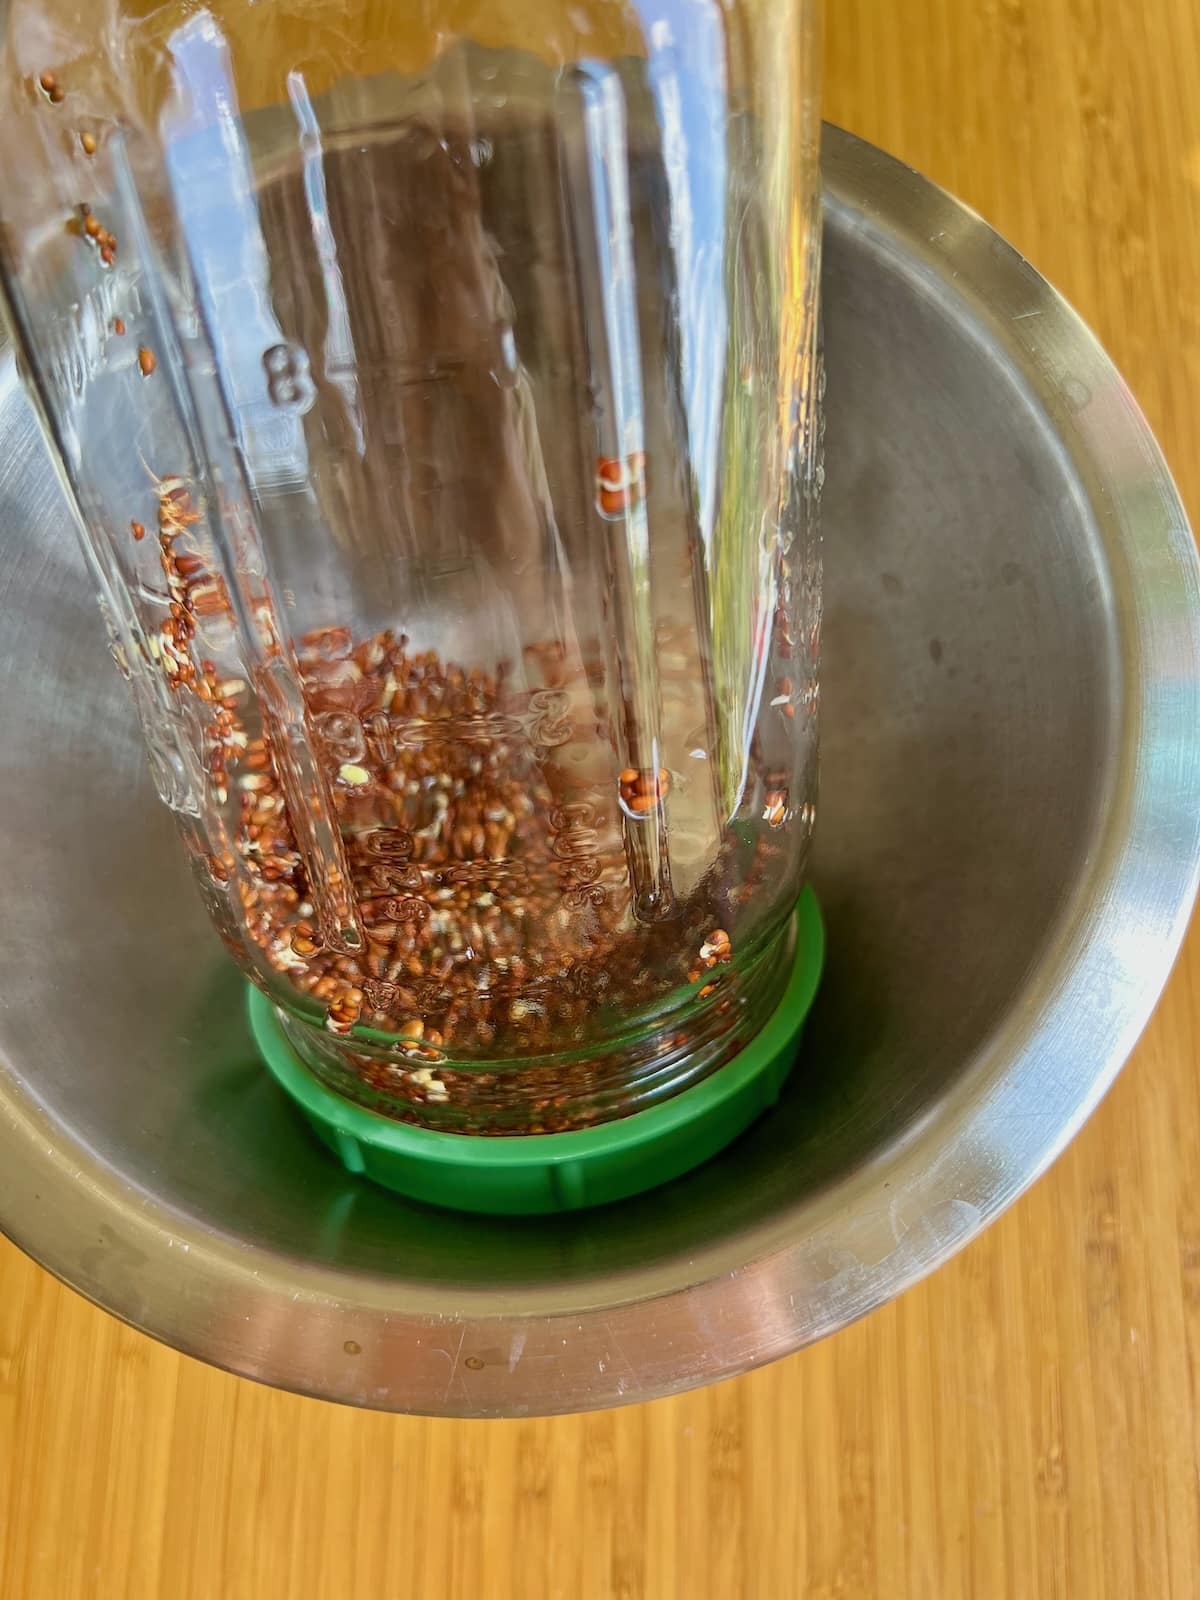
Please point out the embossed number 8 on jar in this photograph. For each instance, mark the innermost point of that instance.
(438, 394)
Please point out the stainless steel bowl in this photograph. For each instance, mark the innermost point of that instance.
(1008, 855)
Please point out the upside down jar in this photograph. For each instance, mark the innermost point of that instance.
(437, 394)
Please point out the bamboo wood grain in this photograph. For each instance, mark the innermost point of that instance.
(1023, 1425)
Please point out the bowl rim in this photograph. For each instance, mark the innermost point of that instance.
(342, 1336)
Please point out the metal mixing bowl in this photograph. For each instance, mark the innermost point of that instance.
(1008, 855)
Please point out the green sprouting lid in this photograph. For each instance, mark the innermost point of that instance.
(539, 1173)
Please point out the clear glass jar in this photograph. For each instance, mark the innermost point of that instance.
(438, 390)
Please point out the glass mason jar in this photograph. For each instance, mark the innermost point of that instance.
(437, 390)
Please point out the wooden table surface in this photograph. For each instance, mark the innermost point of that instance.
(1024, 1424)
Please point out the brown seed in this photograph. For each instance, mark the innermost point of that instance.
(147, 361)
(88, 142)
(118, 325)
(58, 94)
(775, 807)
(715, 948)
(138, 530)
(640, 791)
(49, 82)
(91, 226)
(208, 599)
(188, 564)
(106, 255)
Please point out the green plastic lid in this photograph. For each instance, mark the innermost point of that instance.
(540, 1173)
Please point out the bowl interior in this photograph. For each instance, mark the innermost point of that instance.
(970, 716)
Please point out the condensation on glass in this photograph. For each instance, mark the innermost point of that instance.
(438, 390)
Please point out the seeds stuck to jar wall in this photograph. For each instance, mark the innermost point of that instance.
(86, 225)
(642, 792)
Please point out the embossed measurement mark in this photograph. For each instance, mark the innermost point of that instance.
(429, 996)
(341, 733)
(395, 874)
(481, 870)
(392, 878)
(382, 735)
(551, 722)
(389, 844)
(380, 996)
(575, 844)
(289, 380)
